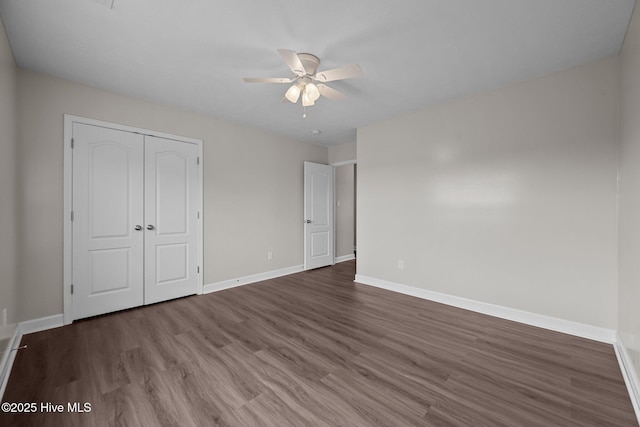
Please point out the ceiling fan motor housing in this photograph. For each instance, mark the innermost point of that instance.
(309, 62)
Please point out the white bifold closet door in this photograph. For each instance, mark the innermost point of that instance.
(171, 208)
(135, 238)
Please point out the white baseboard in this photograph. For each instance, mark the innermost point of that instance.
(547, 322)
(245, 280)
(41, 324)
(23, 328)
(7, 360)
(628, 373)
(345, 258)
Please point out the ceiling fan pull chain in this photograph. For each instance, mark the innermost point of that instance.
(304, 112)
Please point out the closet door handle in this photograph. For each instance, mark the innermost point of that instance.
(150, 227)
(137, 227)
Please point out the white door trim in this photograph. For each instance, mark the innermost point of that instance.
(68, 200)
(343, 163)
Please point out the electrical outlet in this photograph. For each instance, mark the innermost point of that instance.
(269, 255)
(400, 264)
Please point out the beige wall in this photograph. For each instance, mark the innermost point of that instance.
(342, 152)
(507, 197)
(253, 185)
(629, 176)
(8, 189)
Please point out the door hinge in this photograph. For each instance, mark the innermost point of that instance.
(72, 216)
(198, 160)
(72, 143)
(198, 269)
(72, 289)
(198, 215)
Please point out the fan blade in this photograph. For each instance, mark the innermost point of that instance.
(267, 80)
(330, 93)
(340, 73)
(293, 62)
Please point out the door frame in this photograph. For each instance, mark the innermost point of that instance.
(67, 273)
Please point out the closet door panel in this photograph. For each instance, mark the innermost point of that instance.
(171, 208)
(107, 206)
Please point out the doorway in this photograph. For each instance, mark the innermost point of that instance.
(346, 209)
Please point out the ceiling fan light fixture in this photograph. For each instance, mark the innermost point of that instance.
(312, 91)
(307, 101)
(305, 69)
(293, 93)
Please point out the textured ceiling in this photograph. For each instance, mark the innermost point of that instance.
(193, 54)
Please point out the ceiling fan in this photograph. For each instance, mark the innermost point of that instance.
(308, 82)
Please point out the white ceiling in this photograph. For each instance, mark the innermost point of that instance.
(193, 53)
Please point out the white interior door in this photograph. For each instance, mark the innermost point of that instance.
(107, 210)
(171, 219)
(318, 215)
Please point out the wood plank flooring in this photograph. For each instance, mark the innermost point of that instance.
(315, 349)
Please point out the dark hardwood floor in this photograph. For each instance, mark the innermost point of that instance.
(314, 349)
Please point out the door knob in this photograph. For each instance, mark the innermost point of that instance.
(137, 227)
(150, 227)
